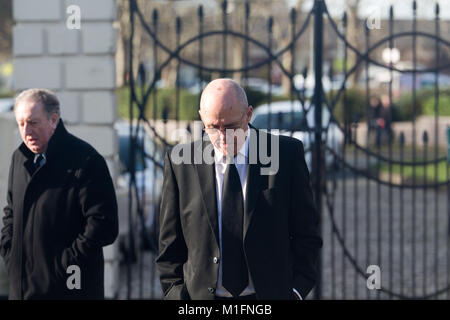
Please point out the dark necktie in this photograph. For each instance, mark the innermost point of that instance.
(38, 161)
(234, 269)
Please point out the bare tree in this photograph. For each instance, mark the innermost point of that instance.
(122, 53)
(287, 56)
(260, 13)
(166, 32)
(123, 47)
(353, 36)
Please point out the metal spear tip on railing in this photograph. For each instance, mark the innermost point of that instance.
(344, 19)
(141, 74)
(200, 12)
(133, 5)
(178, 24)
(224, 6)
(402, 139)
(437, 9)
(425, 137)
(391, 12)
(448, 147)
(448, 144)
(270, 24)
(247, 9)
(165, 114)
(414, 5)
(305, 73)
(155, 16)
(293, 15)
(366, 26)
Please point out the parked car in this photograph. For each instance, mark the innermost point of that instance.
(263, 86)
(148, 177)
(290, 119)
(6, 104)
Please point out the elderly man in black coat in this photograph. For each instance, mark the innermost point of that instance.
(61, 208)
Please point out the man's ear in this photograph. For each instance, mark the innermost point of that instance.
(200, 113)
(249, 113)
(54, 120)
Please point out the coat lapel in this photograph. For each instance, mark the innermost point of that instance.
(207, 182)
(255, 181)
(255, 184)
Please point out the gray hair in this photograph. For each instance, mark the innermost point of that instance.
(46, 97)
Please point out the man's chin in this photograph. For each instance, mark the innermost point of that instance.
(34, 149)
(224, 149)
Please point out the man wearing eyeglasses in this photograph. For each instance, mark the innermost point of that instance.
(228, 230)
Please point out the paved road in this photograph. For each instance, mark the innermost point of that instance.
(407, 239)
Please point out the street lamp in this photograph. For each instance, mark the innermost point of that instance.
(391, 55)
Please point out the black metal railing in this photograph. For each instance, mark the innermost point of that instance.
(377, 202)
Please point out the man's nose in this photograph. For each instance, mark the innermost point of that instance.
(224, 135)
(26, 129)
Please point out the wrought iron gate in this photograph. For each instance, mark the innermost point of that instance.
(380, 210)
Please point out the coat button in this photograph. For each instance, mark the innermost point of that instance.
(211, 290)
(216, 260)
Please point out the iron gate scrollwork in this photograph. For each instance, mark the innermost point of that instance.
(369, 209)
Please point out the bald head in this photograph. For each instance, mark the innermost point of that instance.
(228, 91)
(224, 105)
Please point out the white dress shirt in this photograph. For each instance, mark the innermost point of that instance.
(240, 161)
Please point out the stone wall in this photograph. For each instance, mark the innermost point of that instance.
(77, 64)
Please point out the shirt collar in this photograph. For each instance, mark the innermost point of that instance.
(36, 156)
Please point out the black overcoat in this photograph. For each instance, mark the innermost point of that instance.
(60, 215)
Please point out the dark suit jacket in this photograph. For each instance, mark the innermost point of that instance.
(281, 239)
(60, 215)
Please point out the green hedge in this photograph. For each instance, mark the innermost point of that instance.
(443, 104)
(6, 94)
(421, 172)
(403, 107)
(256, 98)
(165, 98)
(355, 107)
(189, 103)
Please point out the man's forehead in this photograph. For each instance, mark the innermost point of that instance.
(28, 108)
(221, 102)
(29, 104)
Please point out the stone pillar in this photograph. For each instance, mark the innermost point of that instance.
(9, 141)
(77, 64)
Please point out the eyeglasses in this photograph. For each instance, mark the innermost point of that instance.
(215, 131)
